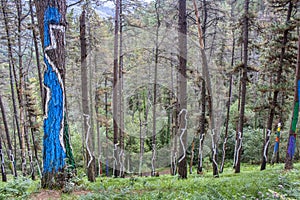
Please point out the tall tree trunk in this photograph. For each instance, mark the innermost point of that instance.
(115, 91)
(173, 109)
(37, 55)
(11, 67)
(20, 90)
(291, 146)
(153, 160)
(106, 129)
(121, 111)
(243, 87)
(141, 137)
(182, 117)
(91, 111)
(10, 150)
(209, 92)
(99, 147)
(202, 126)
(192, 156)
(226, 125)
(276, 92)
(85, 102)
(52, 24)
(3, 172)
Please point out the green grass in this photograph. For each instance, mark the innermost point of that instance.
(251, 183)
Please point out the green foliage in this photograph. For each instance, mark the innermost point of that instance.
(19, 188)
(250, 184)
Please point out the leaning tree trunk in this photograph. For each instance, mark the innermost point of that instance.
(182, 117)
(209, 92)
(243, 88)
(52, 24)
(292, 135)
(276, 92)
(85, 104)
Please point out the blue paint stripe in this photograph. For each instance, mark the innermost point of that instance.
(298, 91)
(54, 155)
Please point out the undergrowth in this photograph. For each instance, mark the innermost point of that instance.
(251, 183)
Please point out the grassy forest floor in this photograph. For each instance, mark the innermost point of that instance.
(251, 183)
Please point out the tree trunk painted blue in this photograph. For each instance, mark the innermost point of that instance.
(54, 153)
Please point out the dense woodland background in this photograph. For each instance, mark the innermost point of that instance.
(239, 93)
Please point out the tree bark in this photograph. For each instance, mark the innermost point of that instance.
(153, 173)
(121, 101)
(202, 126)
(11, 67)
(209, 92)
(85, 102)
(292, 134)
(243, 87)
(20, 89)
(37, 55)
(116, 168)
(10, 150)
(182, 44)
(52, 24)
(274, 104)
(226, 125)
(2, 164)
(91, 103)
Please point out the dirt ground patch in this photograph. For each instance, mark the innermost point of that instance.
(55, 194)
(46, 194)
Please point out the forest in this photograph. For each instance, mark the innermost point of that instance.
(149, 99)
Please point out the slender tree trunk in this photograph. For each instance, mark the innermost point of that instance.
(291, 146)
(182, 117)
(85, 101)
(97, 106)
(10, 150)
(202, 126)
(173, 168)
(115, 91)
(226, 125)
(141, 138)
(11, 67)
(20, 90)
(157, 6)
(209, 92)
(192, 156)
(276, 92)
(205, 17)
(120, 85)
(3, 172)
(243, 85)
(91, 111)
(30, 111)
(106, 129)
(37, 55)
